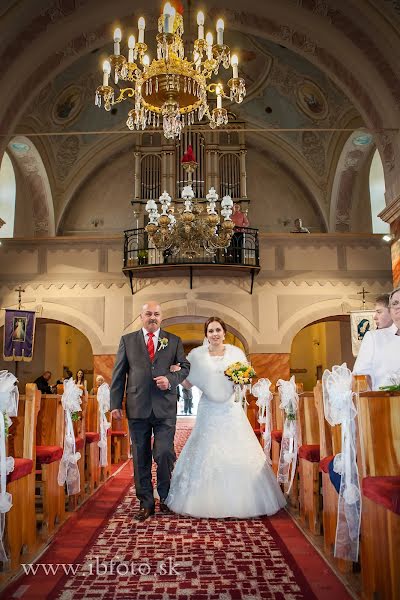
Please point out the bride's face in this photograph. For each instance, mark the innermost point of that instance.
(215, 333)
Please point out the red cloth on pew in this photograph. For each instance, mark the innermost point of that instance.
(118, 433)
(22, 467)
(79, 443)
(276, 435)
(92, 436)
(324, 463)
(384, 491)
(48, 454)
(310, 452)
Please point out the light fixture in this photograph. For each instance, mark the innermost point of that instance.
(171, 88)
(192, 230)
(388, 237)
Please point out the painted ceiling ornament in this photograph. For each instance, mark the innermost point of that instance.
(311, 100)
(67, 105)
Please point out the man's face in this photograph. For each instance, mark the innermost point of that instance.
(151, 316)
(47, 375)
(297, 223)
(382, 316)
(395, 308)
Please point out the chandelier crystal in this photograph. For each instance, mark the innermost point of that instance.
(171, 88)
(194, 229)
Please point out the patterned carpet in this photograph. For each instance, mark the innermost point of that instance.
(170, 557)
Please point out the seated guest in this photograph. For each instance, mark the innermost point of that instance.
(99, 381)
(298, 227)
(42, 383)
(382, 315)
(80, 380)
(240, 220)
(379, 355)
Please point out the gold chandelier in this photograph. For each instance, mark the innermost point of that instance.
(171, 87)
(194, 229)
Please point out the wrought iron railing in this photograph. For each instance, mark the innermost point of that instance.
(243, 250)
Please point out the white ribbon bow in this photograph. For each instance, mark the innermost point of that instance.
(340, 410)
(68, 471)
(103, 398)
(289, 445)
(261, 390)
(9, 397)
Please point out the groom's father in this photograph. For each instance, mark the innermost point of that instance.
(143, 364)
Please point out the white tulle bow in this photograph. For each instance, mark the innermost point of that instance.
(289, 445)
(68, 472)
(9, 397)
(340, 410)
(103, 399)
(261, 391)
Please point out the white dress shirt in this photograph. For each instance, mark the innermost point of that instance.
(379, 356)
(156, 335)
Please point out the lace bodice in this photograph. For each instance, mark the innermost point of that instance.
(207, 372)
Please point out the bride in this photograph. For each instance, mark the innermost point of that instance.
(222, 470)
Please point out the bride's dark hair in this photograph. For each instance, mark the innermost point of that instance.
(211, 320)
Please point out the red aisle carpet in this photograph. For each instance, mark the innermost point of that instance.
(170, 557)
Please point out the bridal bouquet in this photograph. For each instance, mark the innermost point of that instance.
(241, 374)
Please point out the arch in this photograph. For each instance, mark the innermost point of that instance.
(38, 191)
(312, 313)
(174, 311)
(69, 316)
(355, 154)
(377, 194)
(7, 197)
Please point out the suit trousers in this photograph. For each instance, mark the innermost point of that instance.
(162, 450)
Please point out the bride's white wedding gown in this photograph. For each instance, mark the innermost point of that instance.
(222, 470)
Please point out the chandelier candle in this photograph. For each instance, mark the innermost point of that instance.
(171, 90)
(117, 39)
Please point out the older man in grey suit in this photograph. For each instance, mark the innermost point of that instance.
(143, 365)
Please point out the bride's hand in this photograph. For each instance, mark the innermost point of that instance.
(175, 368)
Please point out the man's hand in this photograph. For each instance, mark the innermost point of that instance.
(116, 413)
(162, 382)
(175, 368)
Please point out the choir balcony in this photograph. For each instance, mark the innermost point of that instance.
(143, 260)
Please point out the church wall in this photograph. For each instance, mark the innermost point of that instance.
(275, 198)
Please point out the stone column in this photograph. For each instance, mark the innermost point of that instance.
(103, 364)
(243, 176)
(137, 178)
(391, 214)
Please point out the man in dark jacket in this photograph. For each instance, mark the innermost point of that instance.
(143, 365)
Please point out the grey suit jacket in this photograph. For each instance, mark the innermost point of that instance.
(142, 394)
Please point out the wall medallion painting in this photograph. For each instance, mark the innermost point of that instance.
(68, 105)
(311, 100)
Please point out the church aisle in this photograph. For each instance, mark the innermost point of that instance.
(170, 557)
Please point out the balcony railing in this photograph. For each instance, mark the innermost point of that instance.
(141, 258)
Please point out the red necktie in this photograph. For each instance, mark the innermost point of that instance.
(150, 345)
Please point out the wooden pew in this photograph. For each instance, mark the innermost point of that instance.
(74, 500)
(310, 500)
(330, 444)
(20, 530)
(120, 440)
(50, 496)
(276, 430)
(92, 450)
(379, 468)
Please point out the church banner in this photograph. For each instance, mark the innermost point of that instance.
(19, 335)
(361, 321)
